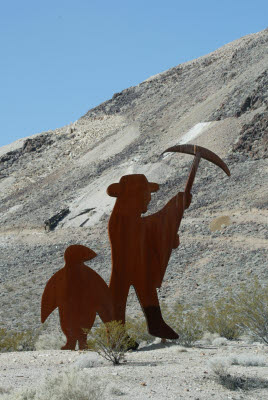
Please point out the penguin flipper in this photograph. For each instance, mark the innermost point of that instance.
(49, 298)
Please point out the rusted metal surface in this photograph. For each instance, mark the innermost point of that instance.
(141, 246)
(199, 152)
(204, 153)
(78, 292)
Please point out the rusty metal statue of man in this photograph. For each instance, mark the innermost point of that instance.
(141, 246)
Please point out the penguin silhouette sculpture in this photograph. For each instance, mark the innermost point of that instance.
(79, 293)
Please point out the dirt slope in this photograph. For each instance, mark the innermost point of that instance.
(218, 101)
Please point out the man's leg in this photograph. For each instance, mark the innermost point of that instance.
(156, 325)
(119, 295)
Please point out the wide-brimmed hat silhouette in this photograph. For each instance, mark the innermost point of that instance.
(129, 183)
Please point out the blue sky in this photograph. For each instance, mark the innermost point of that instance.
(60, 58)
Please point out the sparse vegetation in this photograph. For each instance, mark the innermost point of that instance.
(70, 385)
(111, 341)
(219, 367)
(251, 306)
(247, 360)
(187, 324)
(137, 329)
(243, 312)
(229, 317)
(220, 317)
(18, 340)
(185, 321)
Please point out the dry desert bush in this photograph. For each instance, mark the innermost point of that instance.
(137, 329)
(69, 385)
(242, 312)
(218, 317)
(251, 308)
(187, 324)
(18, 340)
(220, 369)
(247, 360)
(111, 341)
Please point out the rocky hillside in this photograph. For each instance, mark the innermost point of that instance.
(53, 184)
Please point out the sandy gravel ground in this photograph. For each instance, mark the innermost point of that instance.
(154, 372)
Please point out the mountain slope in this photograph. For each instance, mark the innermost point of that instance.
(219, 101)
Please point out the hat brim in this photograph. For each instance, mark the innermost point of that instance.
(114, 189)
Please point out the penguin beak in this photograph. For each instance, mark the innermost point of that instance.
(90, 255)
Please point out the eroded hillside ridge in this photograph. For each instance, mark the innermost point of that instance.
(59, 178)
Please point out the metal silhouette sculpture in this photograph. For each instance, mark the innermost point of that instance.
(79, 293)
(141, 246)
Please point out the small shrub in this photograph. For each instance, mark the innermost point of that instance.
(220, 317)
(71, 385)
(188, 329)
(186, 323)
(219, 367)
(244, 312)
(251, 307)
(18, 341)
(111, 341)
(248, 360)
(232, 382)
(137, 329)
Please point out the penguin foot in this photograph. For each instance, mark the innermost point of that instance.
(68, 346)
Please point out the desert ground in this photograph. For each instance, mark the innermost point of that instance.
(155, 371)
